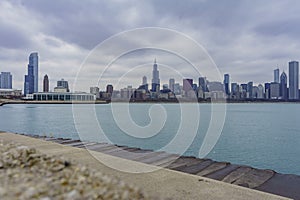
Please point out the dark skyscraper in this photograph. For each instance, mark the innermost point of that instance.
(64, 84)
(203, 84)
(5, 80)
(46, 84)
(31, 79)
(283, 86)
(250, 89)
(155, 78)
(226, 84)
(109, 89)
(293, 80)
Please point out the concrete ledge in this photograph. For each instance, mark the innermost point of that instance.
(161, 182)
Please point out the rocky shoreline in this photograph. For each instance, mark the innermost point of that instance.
(27, 174)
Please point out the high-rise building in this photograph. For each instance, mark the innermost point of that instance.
(63, 84)
(46, 84)
(109, 89)
(171, 84)
(34, 62)
(293, 80)
(267, 90)
(260, 92)
(144, 81)
(250, 89)
(276, 76)
(187, 84)
(283, 86)
(5, 80)
(155, 78)
(31, 79)
(226, 84)
(203, 84)
(274, 90)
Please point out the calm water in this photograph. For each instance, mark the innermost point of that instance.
(259, 135)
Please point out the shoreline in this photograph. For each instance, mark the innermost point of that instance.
(177, 178)
(4, 102)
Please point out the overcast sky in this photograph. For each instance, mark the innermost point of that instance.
(247, 39)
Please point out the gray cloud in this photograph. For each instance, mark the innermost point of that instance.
(247, 39)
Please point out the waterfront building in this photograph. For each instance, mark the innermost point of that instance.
(95, 91)
(29, 81)
(67, 96)
(155, 78)
(171, 84)
(274, 90)
(60, 89)
(46, 84)
(226, 84)
(144, 81)
(34, 62)
(203, 84)
(5, 80)
(250, 89)
(10, 93)
(293, 80)
(276, 75)
(283, 86)
(63, 84)
(187, 84)
(260, 92)
(267, 90)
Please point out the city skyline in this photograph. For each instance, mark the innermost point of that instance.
(246, 39)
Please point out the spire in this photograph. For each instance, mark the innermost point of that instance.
(155, 61)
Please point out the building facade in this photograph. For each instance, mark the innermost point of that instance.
(293, 80)
(155, 78)
(283, 86)
(276, 76)
(63, 84)
(5, 80)
(46, 84)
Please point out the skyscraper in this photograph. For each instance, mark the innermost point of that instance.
(155, 78)
(34, 62)
(283, 86)
(144, 80)
(250, 89)
(64, 84)
(293, 80)
(5, 80)
(226, 84)
(171, 84)
(31, 79)
(276, 76)
(187, 84)
(46, 84)
(203, 84)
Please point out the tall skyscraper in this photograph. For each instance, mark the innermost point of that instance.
(226, 84)
(171, 84)
(203, 84)
(187, 84)
(276, 76)
(31, 79)
(5, 80)
(34, 62)
(283, 86)
(109, 89)
(250, 89)
(155, 78)
(144, 81)
(46, 84)
(293, 80)
(64, 84)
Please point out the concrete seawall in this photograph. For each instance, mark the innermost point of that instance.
(161, 182)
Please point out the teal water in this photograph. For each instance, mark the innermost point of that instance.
(265, 135)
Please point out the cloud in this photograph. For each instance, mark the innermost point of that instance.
(246, 39)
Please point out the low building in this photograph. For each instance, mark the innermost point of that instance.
(67, 96)
(10, 93)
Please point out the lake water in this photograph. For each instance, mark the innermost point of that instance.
(264, 135)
